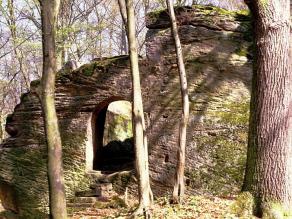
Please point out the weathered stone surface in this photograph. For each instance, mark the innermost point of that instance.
(204, 16)
(219, 75)
(118, 123)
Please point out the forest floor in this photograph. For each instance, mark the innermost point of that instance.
(198, 207)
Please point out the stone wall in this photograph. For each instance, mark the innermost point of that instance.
(215, 44)
(79, 94)
(216, 53)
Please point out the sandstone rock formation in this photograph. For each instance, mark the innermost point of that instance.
(216, 50)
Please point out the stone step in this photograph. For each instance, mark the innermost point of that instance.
(107, 177)
(91, 200)
(87, 193)
(80, 205)
(102, 186)
(95, 175)
(97, 190)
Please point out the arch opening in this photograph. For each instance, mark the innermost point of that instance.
(113, 137)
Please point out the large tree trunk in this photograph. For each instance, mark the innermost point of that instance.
(179, 185)
(49, 11)
(140, 140)
(269, 159)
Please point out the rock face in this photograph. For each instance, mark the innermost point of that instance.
(215, 45)
(118, 123)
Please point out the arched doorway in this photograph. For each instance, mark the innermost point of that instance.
(112, 136)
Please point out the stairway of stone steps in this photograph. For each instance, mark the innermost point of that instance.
(99, 192)
(82, 202)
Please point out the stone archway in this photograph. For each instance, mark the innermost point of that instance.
(112, 136)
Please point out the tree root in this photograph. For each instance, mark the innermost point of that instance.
(142, 211)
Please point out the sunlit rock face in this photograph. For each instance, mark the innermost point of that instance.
(117, 151)
(118, 123)
(218, 61)
(217, 56)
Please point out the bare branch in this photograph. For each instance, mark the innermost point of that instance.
(22, 42)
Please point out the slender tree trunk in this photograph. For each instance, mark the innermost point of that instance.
(140, 140)
(123, 12)
(49, 11)
(124, 43)
(100, 52)
(269, 159)
(179, 185)
(1, 127)
(110, 48)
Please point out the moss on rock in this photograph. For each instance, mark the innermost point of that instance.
(96, 65)
(26, 169)
(160, 18)
(74, 162)
(224, 152)
(226, 155)
(233, 113)
(213, 10)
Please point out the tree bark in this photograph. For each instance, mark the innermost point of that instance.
(140, 140)
(179, 185)
(49, 12)
(124, 43)
(269, 159)
(1, 127)
(123, 12)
